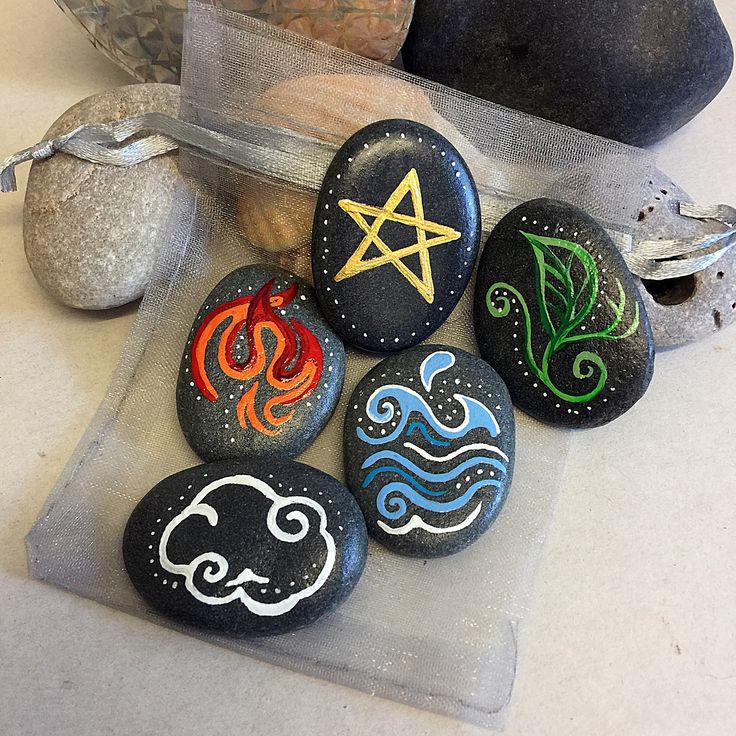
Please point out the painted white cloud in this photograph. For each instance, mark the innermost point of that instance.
(216, 569)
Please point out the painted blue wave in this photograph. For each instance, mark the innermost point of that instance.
(434, 364)
(420, 472)
(381, 410)
(406, 492)
(409, 412)
(425, 433)
(408, 478)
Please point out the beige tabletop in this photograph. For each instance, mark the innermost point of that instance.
(633, 624)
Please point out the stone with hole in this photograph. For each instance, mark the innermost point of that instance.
(692, 307)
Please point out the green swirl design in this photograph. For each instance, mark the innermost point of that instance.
(563, 307)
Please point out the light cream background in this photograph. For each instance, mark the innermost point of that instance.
(633, 627)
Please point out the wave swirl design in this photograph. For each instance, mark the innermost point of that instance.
(381, 409)
(448, 487)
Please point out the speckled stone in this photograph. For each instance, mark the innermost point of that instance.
(395, 235)
(246, 547)
(692, 307)
(429, 449)
(558, 315)
(632, 70)
(262, 371)
(93, 233)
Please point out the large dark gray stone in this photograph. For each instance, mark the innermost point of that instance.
(632, 70)
(246, 547)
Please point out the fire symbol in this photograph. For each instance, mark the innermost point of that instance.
(293, 371)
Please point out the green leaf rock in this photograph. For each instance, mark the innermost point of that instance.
(563, 307)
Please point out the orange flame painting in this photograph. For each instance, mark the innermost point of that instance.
(293, 371)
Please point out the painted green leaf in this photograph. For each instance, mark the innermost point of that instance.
(555, 279)
(567, 288)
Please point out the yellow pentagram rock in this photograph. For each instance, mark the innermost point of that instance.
(357, 264)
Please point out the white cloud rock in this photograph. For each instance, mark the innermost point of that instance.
(216, 568)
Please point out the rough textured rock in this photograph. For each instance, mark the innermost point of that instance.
(429, 449)
(689, 308)
(145, 38)
(371, 28)
(559, 316)
(630, 70)
(93, 233)
(395, 235)
(246, 547)
(262, 371)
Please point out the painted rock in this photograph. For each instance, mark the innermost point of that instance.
(261, 371)
(243, 547)
(93, 233)
(633, 70)
(688, 308)
(395, 235)
(559, 316)
(429, 449)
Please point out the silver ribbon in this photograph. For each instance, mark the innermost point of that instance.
(285, 152)
(93, 143)
(279, 152)
(670, 259)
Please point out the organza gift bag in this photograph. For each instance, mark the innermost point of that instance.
(438, 634)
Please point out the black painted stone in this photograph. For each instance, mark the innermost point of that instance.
(429, 449)
(226, 413)
(596, 366)
(202, 549)
(632, 70)
(370, 302)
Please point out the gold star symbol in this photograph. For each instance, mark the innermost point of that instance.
(387, 213)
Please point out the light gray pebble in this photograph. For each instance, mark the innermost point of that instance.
(92, 233)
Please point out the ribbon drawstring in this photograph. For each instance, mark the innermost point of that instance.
(279, 153)
(669, 259)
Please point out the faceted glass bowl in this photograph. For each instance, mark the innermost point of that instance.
(145, 36)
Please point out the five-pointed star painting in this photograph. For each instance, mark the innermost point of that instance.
(358, 263)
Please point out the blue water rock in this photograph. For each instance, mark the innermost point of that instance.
(429, 449)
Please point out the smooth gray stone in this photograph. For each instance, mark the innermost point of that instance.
(690, 308)
(632, 70)
(92, 233)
